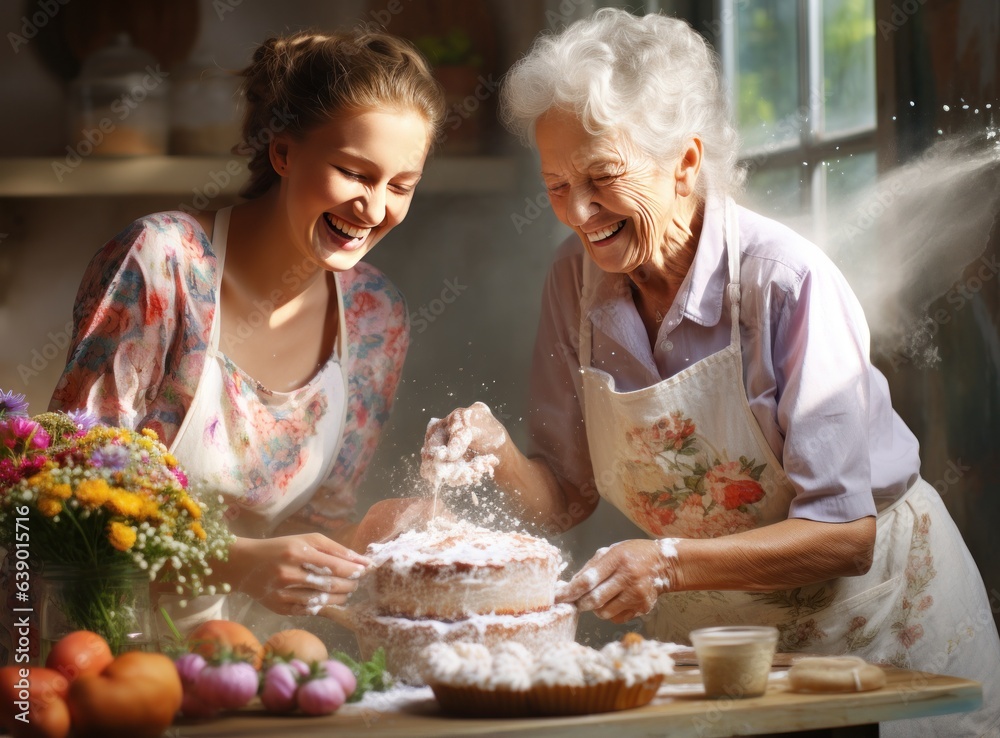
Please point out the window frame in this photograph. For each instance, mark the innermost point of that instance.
(815, 145)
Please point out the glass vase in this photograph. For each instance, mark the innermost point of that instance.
(113, 602)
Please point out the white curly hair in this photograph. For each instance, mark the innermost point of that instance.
(653, 79)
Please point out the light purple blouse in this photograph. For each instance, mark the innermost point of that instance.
(823, 408)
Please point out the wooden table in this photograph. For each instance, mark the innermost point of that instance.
(680, 710)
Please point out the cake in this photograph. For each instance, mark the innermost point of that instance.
(452, 571)
(561, 678)
(404, 639)
(457, 582)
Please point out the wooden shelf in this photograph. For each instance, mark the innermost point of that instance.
(189, 176)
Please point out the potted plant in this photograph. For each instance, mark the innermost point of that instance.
(457, 66)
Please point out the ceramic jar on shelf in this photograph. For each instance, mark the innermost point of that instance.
(118, 103)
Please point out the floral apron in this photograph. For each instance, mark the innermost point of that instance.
(686, 458)
(210, 469)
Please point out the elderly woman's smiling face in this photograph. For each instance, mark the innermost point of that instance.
(619, 201)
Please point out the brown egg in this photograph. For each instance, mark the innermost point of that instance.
(296, 644)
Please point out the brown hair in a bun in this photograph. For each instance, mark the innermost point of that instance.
(297, 82)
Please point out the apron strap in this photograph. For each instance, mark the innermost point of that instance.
(733, 252)
(220, 236)
(586, 329)
(220, 233)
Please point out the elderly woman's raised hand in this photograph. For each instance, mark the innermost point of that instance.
(463, 448)
(622, 581)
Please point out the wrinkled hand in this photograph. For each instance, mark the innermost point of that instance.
(462, 448)
(295, 575)
(622, 581)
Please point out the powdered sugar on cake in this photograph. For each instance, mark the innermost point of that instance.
(448, 542)
(454, 569)
(405, 638)
(454, 581)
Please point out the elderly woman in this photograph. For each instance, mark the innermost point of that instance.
(706, 371)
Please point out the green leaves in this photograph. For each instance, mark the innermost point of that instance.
(371, 675)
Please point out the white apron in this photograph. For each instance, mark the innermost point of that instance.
(211, 470)
(686, 458)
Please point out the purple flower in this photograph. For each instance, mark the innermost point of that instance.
(13, 404)
(110, 457)
(84, 419)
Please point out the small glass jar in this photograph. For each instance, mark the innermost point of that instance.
(205, 108)
(113, 602)
(119, 103)
(735, 661)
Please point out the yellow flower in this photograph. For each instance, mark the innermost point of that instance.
(150, 511)
(41, 482)
(198, 530)
(131, 505)
(170, 460)
(49, 507)
(93, 492)
(191, 506)
(150, 433)
(121, 536)
(62, 491)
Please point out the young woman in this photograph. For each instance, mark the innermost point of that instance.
(253, 340)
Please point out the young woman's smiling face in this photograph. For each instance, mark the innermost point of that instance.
(617, 200)
(347, 183)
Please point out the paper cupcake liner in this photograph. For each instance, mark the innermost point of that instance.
(476, 702)
(604, 697)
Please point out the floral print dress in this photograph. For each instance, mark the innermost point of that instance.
(143, 335)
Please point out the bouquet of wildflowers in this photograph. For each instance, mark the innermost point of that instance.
(109, 501)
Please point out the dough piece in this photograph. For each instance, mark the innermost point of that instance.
(834, 674)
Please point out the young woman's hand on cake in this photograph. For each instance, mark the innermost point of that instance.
(296, 574)
(622, 581)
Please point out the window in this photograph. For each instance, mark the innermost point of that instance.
(802, 84)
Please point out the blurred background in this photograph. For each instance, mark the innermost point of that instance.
(115, 109)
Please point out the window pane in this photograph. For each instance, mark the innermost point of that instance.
(847, 177)
(776, 192)
(767, 75)
(849, 64)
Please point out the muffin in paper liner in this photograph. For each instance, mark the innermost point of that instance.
(592, 698)
(478, 702)
(544, 699)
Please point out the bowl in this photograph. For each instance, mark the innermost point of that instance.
(735, 661)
